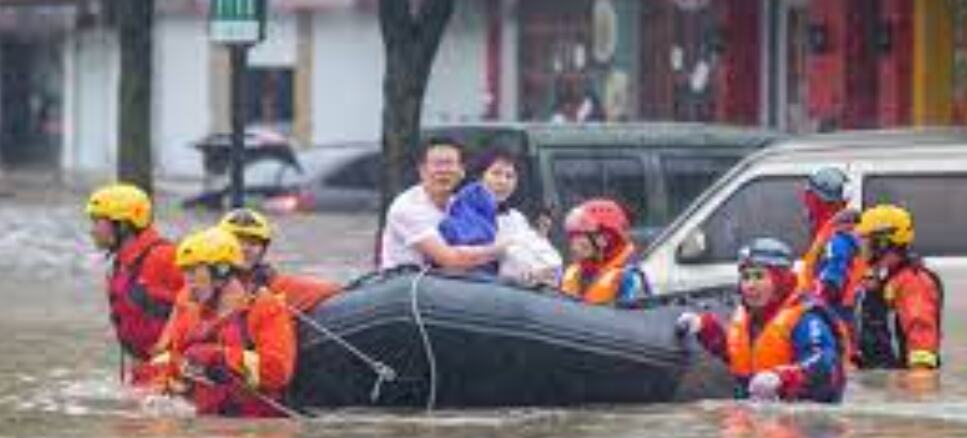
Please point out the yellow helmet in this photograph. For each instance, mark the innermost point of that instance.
(887, 220)
(212, 246)
(245, 222)
(121, 202)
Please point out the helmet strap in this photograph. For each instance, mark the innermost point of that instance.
(600, 251)
(261, 275)
(260, 259)
(123, 232)
(220, 272)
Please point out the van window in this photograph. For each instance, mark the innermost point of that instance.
(621, 178)
(933, 200)
(686, 177)
(763, 207)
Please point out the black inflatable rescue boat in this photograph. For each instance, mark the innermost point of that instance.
(421, 339)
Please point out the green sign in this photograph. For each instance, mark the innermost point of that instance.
(237, 21)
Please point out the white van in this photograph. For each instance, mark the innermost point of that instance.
(922, 170)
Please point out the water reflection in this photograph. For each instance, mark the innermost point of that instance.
(740, 421)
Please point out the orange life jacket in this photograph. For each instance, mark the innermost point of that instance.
(810, 260)
(604, 288)
(773, 346)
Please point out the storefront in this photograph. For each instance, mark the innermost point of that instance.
(32, 92)
(621, 60)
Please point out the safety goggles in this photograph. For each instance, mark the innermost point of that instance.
(753, 274)
(243, 218)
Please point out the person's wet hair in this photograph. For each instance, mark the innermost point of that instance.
(435, 142)
(486, 158)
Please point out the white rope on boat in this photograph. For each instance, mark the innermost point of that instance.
(425, 337)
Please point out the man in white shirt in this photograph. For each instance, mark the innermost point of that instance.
(411, 235)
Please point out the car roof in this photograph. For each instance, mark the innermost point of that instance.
(873, 143)
(905, 143)
(684, 134)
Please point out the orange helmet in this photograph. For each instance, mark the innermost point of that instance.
(596, 215)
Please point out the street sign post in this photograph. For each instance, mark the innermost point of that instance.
(237, 21)
(238, 24)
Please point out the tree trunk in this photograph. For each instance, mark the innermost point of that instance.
(134, 26)
(412, 30)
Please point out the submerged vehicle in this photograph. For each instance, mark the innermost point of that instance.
(427, 339)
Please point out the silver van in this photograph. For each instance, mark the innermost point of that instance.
(923, 170)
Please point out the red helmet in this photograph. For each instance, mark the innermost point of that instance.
(597, 215)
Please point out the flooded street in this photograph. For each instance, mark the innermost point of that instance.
(58, 366)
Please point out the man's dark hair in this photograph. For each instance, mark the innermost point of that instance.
(434, 142)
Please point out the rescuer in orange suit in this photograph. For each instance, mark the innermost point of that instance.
(231, 352)
(901, 302)
(781, 343)
(143, 280)
(255, 235)
(603, 268)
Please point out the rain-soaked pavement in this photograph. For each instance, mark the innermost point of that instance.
(58, 360)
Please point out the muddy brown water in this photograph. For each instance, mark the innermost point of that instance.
(58, 361)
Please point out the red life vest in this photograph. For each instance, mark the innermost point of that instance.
(901, 323)
(810, 260)
(137, 316)
(603, 289)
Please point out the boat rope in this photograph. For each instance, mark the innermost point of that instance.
(425, 337)
(384, 373)
(195, 375)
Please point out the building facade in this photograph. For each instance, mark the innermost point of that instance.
(796, 65)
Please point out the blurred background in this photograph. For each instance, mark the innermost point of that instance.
(316, 79)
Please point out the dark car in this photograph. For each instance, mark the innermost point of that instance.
(344, 177)
(281, 175)
(654, 169)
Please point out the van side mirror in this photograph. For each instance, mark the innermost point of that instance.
(694, 248)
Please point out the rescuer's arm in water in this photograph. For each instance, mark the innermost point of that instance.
(707, 330)
(818, 361)
(917, 303)
(302, 292)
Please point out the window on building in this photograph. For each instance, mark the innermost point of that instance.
(269, 97)
(933, 200)
(763, 207)
(685, 50)
(621, 178)
(555, 44)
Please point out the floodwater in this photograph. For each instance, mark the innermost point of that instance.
(58, 360)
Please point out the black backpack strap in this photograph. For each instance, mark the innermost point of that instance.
(138, 293)
(248, 342)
